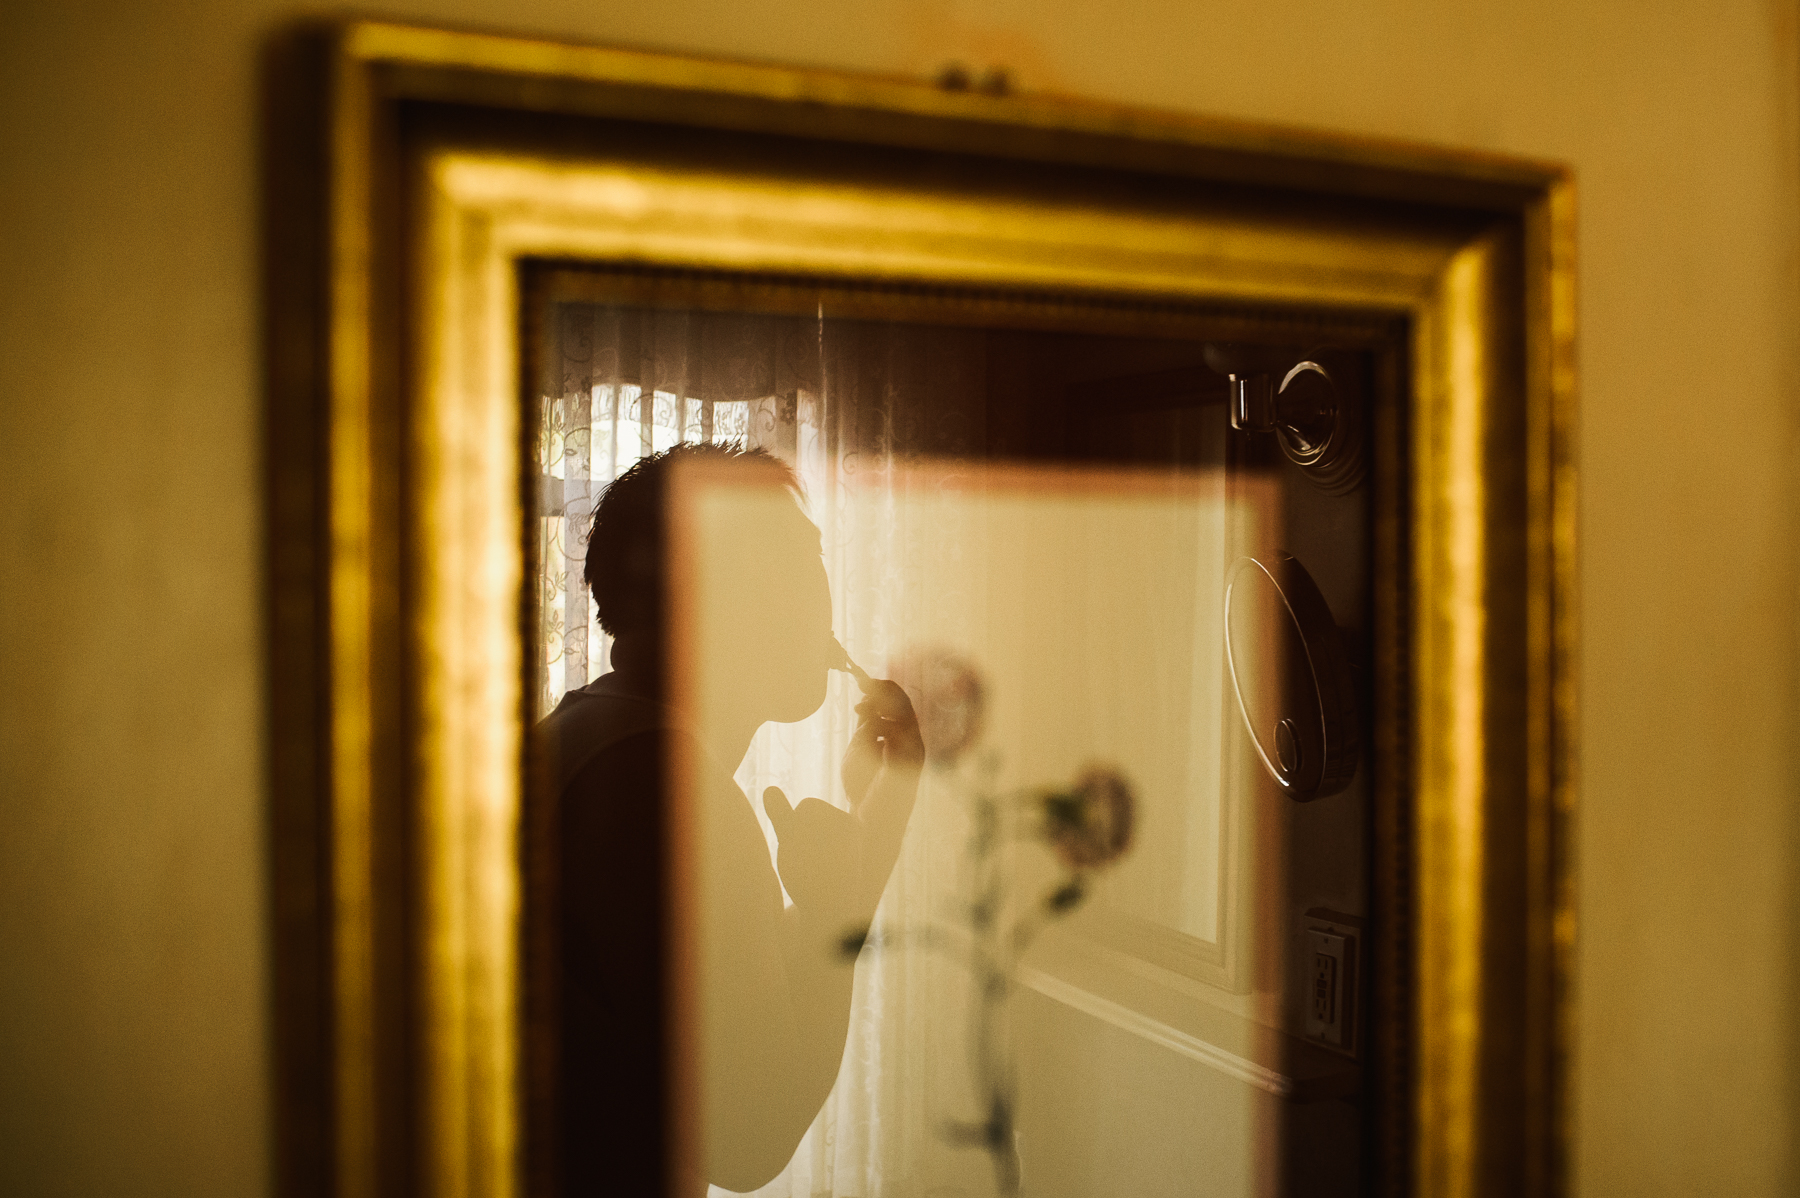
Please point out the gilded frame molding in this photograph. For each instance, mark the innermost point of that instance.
(411, 553)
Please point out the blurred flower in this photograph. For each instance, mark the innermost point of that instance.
(948, 696)
(851, 943)
(1065, 897)
(1090, 825)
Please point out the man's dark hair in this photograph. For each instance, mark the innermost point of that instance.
(625, 539)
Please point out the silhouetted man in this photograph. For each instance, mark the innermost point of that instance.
(775, 983)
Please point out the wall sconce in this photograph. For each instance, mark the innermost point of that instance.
(1318, 424)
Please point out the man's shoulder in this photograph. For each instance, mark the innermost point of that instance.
(590, 721)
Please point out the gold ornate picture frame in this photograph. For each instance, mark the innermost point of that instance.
(452, 161)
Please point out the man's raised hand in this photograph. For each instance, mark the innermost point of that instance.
(887, 734)
(819, 856)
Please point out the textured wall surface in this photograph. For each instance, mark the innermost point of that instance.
(132, 970)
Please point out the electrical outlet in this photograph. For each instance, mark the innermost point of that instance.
(1330, 979)
(1326, 956)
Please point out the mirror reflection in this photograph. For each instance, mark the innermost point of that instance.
(914, 638)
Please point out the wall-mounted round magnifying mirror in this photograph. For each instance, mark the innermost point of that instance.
(1291, 676)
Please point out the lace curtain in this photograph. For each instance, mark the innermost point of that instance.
(844, 403)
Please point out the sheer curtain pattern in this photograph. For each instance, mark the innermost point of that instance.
(595, 423)
(843, 403)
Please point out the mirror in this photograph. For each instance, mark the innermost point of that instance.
(1040, 537)
(975, 332)
(1291, 676)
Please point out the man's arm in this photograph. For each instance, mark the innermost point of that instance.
(776, 1001)
(835, 865)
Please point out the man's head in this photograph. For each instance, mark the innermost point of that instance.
(760, 571)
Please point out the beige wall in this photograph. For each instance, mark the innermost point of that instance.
(132, 1025)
